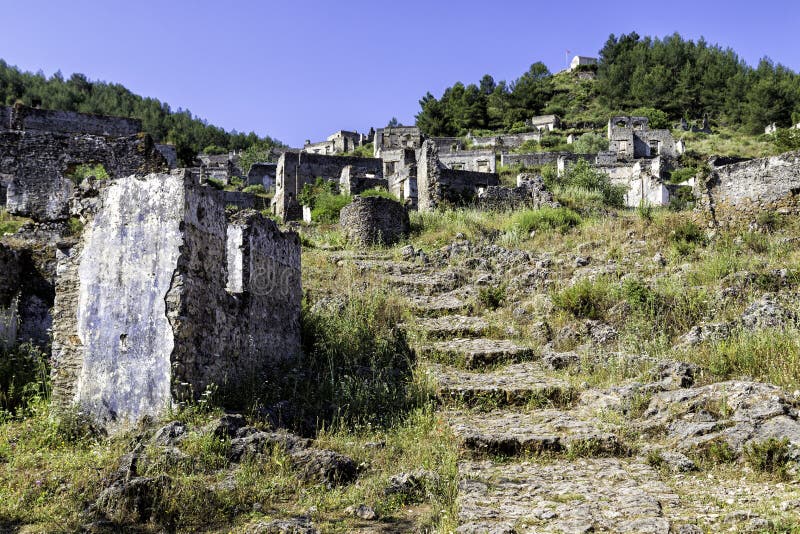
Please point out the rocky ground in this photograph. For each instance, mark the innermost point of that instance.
(626, 375)
(562, 426)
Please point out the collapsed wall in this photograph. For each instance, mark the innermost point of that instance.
(437, 185)
(39, 164)
(66, 122)
(746, 188)
(163, 296)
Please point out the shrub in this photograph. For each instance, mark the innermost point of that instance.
(678, 176)
(585, 176)
(213, 150)
(357, 362)
(656, 119)
(24, 376)
(586, 299)
(590, 143)
(491, 297)
(770, 456)
(645, 211)
(80, 172)
(327, 207)
(786, 139)
(9, 224)
(768, 221)
(546, 218)
(689, 233)
(378, 192)
(255, 189)
(324, 201)
(216, 184)
(683, 199)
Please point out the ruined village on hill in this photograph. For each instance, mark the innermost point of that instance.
(156, 283)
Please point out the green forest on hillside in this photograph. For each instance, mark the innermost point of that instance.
(180, 127)
(679, 77)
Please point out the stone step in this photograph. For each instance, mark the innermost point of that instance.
(538, 431)
(585, 495)
(425, 284)
(475, 353)
(516, 384)
(434, 306)
(450, 326)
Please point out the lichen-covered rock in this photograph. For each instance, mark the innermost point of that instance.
(132, 501)
(295, 525)
(374, 221)
(735, 412)
(545, 430)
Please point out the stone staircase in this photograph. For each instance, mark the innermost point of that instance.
(532, 459)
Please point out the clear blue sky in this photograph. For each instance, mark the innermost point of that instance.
(304, 69)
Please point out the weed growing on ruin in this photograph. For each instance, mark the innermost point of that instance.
(543, 219)
(24, 379)
(771, 456)
(585, 299)
(772, 355)
(9, 224)
(357, 361)
(491, 297)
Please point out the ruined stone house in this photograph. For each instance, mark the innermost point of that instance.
(741, 189)
(337, 143)
(262, 174)
(438, 185)
(631, 138)
(400, 170)
(469, 160)
(164, 294)
(504, 141)
(397, 137)
(545, 123)
(220, 167)
(39, 149)
(295, 169)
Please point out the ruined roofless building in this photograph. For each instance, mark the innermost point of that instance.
(296, 169)
(337, 143)
(631, 138)
(397, 137)
(165, 294)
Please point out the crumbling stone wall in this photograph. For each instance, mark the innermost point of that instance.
(469, 160)
(295, 169)
(743, 189)
(437, 184)
(631, 138)
(353, 181)
(530, 192)
(66, 122)
(507, 141)
(374, 221)
(263, 174)
(163, 296)
(536, 159)
(170, 154)
(39, 162)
